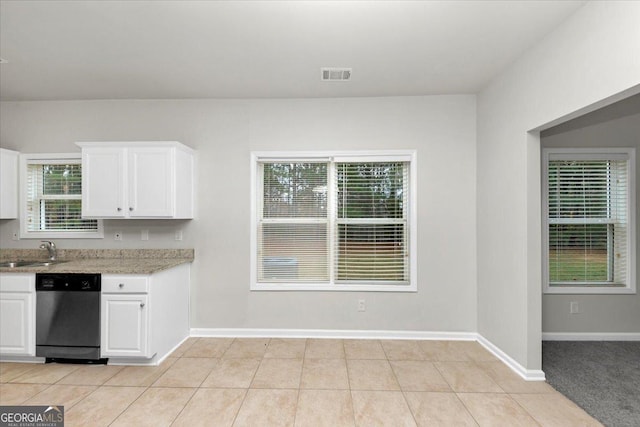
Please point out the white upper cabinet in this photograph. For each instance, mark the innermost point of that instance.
(137, 180)
(8, 184)
(103, 177)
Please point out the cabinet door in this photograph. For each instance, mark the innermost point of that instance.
(17, 324)
(8, 184)
(124, 326)
(151, 182)
(103, 187)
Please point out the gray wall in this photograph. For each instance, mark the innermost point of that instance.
(586, 62)
(615, 126)
(224, 132)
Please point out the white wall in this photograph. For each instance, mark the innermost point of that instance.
(614, 126)
(589, 58)
(440, 128)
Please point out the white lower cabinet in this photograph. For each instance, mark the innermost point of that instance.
(17, 314)
(144, 317)
(125, 325)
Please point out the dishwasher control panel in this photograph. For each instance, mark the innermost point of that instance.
(68, 282)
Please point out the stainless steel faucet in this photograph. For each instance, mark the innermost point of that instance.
(50, 247)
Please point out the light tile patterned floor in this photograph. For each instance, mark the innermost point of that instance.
(297, 382)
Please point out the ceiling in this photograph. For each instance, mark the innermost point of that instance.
(58, 50)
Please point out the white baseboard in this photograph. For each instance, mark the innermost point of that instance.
(332, 333)
(527, 374)
(22, 359)
(156, 360)
(591, 336)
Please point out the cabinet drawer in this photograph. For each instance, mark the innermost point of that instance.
(17, 282)
(125, 284)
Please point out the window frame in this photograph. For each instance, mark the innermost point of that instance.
(25, 233)
(591, 154)
(332, 157)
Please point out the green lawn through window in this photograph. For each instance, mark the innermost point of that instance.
(578, 265)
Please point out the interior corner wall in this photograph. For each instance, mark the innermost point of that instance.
(590, 58)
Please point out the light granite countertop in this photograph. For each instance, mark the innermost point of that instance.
(104, 261)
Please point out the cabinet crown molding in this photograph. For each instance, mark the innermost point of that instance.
(127, 144)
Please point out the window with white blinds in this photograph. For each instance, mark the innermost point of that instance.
(332, 222)
(293, 228)
(371, 224)
(589, 220)
(52, 198)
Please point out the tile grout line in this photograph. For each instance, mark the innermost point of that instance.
(35, 365)
(525, 410)
(295, 415)
(31, 397)
(143, 392)
(404, 396)
(246, 392)
(346, 365)
(455, 393)
(81, 400)
(130, 404)
(190, 397)
(197, 388)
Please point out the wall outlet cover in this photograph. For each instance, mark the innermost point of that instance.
(574, 307)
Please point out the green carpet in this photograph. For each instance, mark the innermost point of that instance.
(602, 377)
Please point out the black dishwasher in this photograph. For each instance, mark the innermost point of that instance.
(68, 317)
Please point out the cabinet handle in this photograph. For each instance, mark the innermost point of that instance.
(141, 304)
(130, 209)
(119, 209)
(121, 285)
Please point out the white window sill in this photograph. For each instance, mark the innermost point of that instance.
(588, 290)
(333, 288)
(99, 234)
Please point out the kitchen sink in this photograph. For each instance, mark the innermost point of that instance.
(44, 263)
(15, 264)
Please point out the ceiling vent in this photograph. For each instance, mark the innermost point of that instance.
(335, 74)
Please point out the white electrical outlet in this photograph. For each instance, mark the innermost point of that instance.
(178, 235)
(361, 305)
(117, 235)
(144, 235)
(574, 307)
(15, 236)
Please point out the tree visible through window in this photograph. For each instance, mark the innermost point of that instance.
(293, 230)
(588, 224)
(54, 198)
(328, 221)
(371, 221)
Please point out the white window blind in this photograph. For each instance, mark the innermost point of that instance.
(329, 222)
(371, 235)
(588, 221)
(54, 197)
(293, 230)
